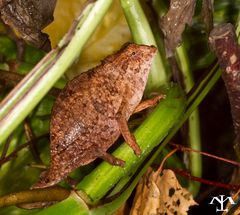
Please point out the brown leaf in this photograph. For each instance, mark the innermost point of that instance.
(28, 18)
(207, 14)
(161, 195)
(173, 23)
(147, 196)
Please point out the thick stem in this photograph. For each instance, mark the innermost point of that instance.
(30, 196)
(223, 42)
(102, 179)
(197, 96)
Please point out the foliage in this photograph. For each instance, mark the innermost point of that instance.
(94, 36)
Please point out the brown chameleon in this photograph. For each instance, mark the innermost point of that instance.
(93, 109)
(28, 18)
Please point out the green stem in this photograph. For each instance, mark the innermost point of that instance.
(195, 99)
(148, 135)
(142, 34)
(39, 195)
(11, 79)
(18, 104)
(194, 137)
(109, 208)
(73, 205)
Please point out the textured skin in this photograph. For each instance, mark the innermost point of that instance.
(84, 116)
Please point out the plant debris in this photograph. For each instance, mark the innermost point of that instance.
(28, 18)
(161, 194)
(207, 14)
(173, 23)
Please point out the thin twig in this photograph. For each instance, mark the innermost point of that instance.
(182, 148)
(164, 160)
(31, 138)
(186, 174)
(19, 148)
(19, 42)
(6, 146)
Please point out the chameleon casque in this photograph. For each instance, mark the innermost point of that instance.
(92, 111)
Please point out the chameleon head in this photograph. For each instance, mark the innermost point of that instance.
(140, 49)
(139, 59)
(135, 62)
(143, 53)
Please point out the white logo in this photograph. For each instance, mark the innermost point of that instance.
(220, 200)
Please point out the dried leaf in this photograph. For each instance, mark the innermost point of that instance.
(207, 14)
(174, 197)
(161, 195)
(28, 18)
(173, 23)
(147, 197)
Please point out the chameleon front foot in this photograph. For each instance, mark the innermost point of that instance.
(149, 103)
(110, 158)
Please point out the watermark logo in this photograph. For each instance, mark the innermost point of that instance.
(219, 200)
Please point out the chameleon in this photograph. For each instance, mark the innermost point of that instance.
(92, 111)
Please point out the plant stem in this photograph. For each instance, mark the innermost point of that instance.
(223, 42)
(142, 34)
(148, 135)
(11, 79)
(195, 99)
(28, 196)
(190, 150)
(27, 94)
(232, 187)
(74, 205)
(194, 137)
(203, 90)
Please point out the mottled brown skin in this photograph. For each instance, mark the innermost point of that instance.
(92, 111)
(28, 18)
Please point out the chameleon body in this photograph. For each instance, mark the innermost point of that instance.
(92, 111)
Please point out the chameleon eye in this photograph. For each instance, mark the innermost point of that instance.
(133, 53)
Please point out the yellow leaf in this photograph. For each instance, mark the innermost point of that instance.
(108, 37)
